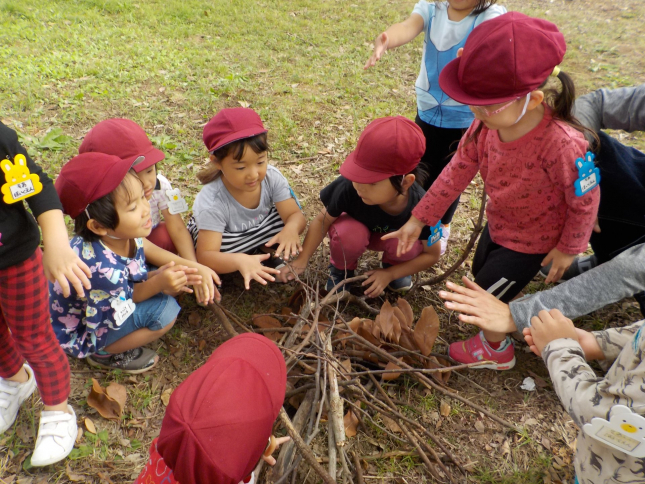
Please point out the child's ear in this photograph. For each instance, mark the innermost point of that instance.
(535, 100)
(96, 227)
(408, 181)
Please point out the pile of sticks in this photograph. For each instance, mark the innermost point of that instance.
(319, 341)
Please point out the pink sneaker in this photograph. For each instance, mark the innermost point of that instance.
(477, 349)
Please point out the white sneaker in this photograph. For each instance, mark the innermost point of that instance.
(56, 437)
(12, 394)
(445, 235)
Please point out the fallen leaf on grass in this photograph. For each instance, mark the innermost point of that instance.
(109, 402)
(506, 448)
(194, 318)
(426, 331)
(72, 476)
(391, 376)
(165, 396)
(268, 322)
(479, 426)
(89, 425)
(441, 377)
(351, 424)
(391, 424)
(444, 409)
(386, 321)
(202, 345)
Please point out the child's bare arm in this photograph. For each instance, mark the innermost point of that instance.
(315, 235)
(294, 224)
(395, 36)
(379, 279)
(60, 262)
(208, 253)
(179, 235)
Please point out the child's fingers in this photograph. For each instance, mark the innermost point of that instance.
(470, 319)
(274, 240)
(87, 273)
(535, 350)
(257, 277)
(462, 308)
(64, 285)
(265, 274)
(473, 286)
(554, 275)
(186, 289)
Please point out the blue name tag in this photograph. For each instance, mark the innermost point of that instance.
(435, 234)
(588, 175)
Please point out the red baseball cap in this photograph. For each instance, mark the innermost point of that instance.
(231, 124)
(123, 138)
(219, 420)
(88, 177)
(503, 59)
(387, 147)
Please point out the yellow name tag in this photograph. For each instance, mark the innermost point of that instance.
(20, 184)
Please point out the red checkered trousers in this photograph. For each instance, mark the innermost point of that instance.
(26, 332)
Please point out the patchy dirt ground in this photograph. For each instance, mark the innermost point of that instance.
(605, 41)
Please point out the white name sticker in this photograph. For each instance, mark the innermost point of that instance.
(625, 431)
(176, 203)
(123, 308)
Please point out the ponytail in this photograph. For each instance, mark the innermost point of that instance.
(562, 104)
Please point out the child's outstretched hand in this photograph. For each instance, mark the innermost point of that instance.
(380, 46)
(478, 307)
(62, 265)
(561, 263)
(251, 269)
(206, 288)
(407, 235)
(273, 445)
(287, 272)
(548, 326)
(378, 279)
(288, 241)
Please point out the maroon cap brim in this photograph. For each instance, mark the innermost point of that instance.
(350, 170)
(152, 157)
(238, 135)
(449, 83)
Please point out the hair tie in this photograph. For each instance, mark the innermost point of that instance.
(556, 71)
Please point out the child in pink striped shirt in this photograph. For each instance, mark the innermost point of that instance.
(531, 156)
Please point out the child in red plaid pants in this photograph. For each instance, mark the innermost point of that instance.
(25, 325)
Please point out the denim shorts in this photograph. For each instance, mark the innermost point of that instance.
(154, 313)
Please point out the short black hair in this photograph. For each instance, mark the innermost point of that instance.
(420, 176)
(103, 211)
(257, 143)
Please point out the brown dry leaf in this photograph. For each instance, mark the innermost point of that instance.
(365, 331)
(406, 340)
(296, 400)
(355, 323)
(89, 425)
(376, 327)
(202, 345)
(194, 318)
(434, 362)
(391, 424)
(444, 409)
(402, 318)
(104, 477)
(347, 365)
(291, 320)
(396, 329)
(268, 322)
(386, 322)
(165, 396)
(479, 426)
(297, 300)
(109, 402)
(391, 376)
(73, 477)
(506, 448)
(406, 309)
(351, 424)
(426, 331)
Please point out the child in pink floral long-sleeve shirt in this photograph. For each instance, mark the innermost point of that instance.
(530, 154)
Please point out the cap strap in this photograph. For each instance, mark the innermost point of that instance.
(140, 159)
(556, 71)
(87, 213)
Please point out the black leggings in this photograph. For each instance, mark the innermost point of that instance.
(503, 272)
(440, 142)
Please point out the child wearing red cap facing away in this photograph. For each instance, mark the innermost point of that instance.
(127, 140)
(246, 206)
(375, 194)
(128, 307)
(218, 422)
(25, 329)
(529, 153)
(445, 26)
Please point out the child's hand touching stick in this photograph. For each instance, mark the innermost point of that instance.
(273, 445)
(206, 291)
(288, 240)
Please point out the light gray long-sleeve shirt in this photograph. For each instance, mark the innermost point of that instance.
(622, 108)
